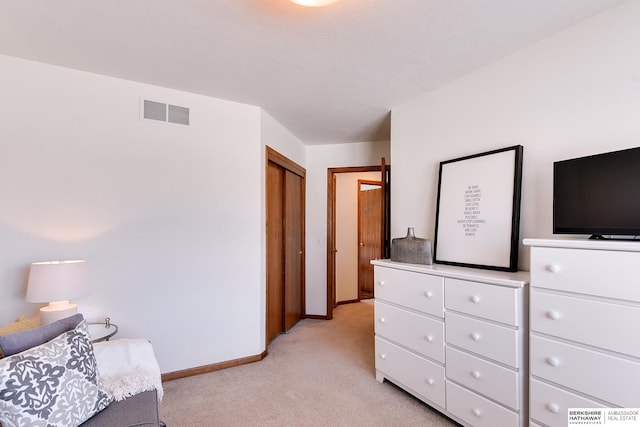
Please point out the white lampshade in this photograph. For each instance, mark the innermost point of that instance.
(56, 282)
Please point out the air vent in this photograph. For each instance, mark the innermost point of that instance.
(154, 111)
(178, 115)
(162, 112)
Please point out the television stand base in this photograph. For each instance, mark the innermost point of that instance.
(619, 238)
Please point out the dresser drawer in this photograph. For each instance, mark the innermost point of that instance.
(487, 339)
(614, 327)
(409, 370)
(477, 410)
(422, 334)
(489, 379)
(609, 378)
(422, 292)
(480, 299)
(549, 404)
(612, 274)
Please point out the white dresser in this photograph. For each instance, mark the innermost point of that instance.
(584, 338)
(456, 338)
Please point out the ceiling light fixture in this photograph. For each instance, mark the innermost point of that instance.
(313, 3)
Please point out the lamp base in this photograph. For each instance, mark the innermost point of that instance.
(56, 311)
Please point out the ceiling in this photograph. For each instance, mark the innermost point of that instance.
(329, 75)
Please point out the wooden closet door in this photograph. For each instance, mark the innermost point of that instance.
(293, 249)
(285, 210)
(275, 255)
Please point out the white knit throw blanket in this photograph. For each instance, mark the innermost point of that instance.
(127, 367)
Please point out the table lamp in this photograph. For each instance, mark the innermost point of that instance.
(56, 282)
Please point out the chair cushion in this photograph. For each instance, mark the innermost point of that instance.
(20, 324)
(20, 341)
(139, 410)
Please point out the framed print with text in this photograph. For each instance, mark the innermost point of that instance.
(478, 210)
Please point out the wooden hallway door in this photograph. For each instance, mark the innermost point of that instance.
(369, 234)
(385, 219)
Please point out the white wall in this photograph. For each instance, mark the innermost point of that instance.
(319, 159)
(169, 218)
(280, 139)
(572, 94)
(347, 262)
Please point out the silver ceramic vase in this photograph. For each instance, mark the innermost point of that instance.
(411, 249)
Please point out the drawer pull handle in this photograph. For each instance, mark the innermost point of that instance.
(382, 320)
(475, 299)
(552, 361)
(476, 412)
(553, 315)
(553, 268)
(475, 337)
(428, 294)
(552, 407)
(381, 282)
(475, 374)
(430, 381)
(383, 356)
(429, 338)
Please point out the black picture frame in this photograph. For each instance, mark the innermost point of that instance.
(478, 210)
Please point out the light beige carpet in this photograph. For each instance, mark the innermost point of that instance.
(319, 374)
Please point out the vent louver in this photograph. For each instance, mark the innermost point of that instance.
(161, 112)
(178, 115)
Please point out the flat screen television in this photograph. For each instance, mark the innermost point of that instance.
(598, 195)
